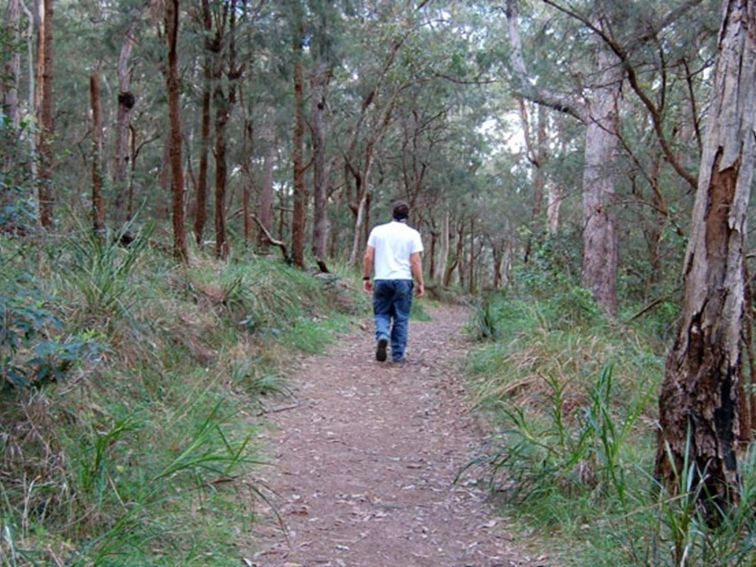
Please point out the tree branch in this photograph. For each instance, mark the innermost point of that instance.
(269, 237)
(567, 104)
(632, 76)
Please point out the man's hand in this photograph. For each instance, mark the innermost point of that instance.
(367, 268)
(416, 265)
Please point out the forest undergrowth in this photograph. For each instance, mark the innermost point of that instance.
(129, 386)
(571, 402)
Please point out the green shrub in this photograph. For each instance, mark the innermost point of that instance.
(35, 348)
(573, 444)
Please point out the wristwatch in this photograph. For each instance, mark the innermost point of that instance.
(365, 278)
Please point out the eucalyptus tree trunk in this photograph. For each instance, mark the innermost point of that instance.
(98, 204)
(177, 173)
(555, 191)
(702, 408)
(432, 253)
(224, 103)
(361, 169)
(31, 96)
(248, 185)
(299, 215)
(321, 224)
(537, 152)
(12, 65)
(126, 102)
(539, 179)
(554, 197)
(265, 200)
(363, 177)
(200, 211)
(458, 259)
(600, 115)
(222, 112)
(600, 256)
(45, 113)
(162, 205)
(497, 249)
(443, 256)
(471, 262)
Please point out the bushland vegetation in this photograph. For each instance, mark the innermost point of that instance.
(570, 402)
(133, 391)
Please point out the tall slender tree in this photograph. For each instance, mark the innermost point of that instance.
(210, 51)
(171, 16)
(266, 195)
(320, 172)
(12, 65)
(126, 103)
(224, 99)
(98, 202)
(45, 111)
(299, 216)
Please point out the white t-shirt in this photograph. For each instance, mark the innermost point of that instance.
(393, 243)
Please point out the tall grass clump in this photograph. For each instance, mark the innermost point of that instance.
(136, 447)
(571, 402)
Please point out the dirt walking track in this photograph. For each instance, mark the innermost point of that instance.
(364, 462)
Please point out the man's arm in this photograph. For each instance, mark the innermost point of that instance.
(367, 269)
(416, 264)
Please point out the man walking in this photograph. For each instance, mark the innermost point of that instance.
(393, 256)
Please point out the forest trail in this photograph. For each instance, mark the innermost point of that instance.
(364, 463)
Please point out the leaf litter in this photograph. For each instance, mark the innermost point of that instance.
(363, 466)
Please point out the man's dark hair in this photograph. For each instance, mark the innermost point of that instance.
(400, 211)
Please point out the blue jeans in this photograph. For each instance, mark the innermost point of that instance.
(392, 301)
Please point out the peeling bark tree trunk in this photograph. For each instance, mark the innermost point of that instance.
(46, 116)
(177, 172)
(126, 102)
(300, 189)
(98, 204)
(702, 405)
(600, 257)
